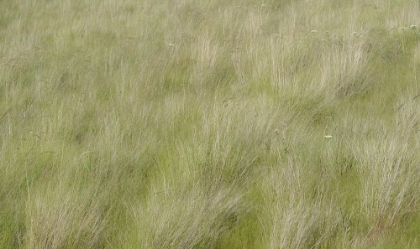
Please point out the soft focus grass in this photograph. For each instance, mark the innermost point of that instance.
(209, 124)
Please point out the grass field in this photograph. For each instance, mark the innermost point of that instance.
(209, 124)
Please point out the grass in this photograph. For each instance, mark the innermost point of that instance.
(239, 124)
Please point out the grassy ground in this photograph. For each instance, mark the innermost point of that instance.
(209, 124)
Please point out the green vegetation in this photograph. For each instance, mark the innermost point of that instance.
(209, 124)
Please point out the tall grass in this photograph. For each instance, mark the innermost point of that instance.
(217, 124)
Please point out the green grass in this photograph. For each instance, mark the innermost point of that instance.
(217, 124)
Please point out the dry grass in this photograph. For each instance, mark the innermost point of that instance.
(241, 124)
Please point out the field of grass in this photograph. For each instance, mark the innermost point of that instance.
(209, 124)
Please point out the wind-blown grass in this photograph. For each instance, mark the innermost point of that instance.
(217, 124)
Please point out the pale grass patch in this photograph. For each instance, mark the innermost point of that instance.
(390, 169)
(196, 218)
(294, 219)
(58, 216)
(346, 67)
(216, 164)
(408, 15)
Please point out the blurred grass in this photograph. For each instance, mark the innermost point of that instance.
(277, 124)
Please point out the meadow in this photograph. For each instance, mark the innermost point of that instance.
(209, 124)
